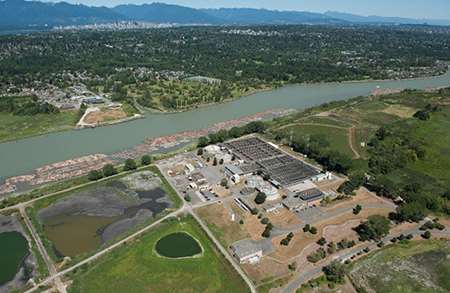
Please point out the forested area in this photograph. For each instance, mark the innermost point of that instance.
(153, 66)
(26, 106)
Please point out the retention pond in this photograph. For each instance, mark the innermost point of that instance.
(13, 251)
(178, 245)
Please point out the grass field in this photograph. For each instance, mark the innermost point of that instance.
(436, 136)
(337, 137)
(421, 266)
(14, 127)
(137, 268)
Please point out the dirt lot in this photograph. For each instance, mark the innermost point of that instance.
(220, 218)
(283, 218)
(105, 115)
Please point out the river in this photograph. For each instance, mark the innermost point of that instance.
(25, 155)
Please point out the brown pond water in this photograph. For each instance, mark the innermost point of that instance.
(84, 233)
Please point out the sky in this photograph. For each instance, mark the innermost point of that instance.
(432, 9)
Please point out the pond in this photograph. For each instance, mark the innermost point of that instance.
(13, 251)
(73, 235)
(178, 245)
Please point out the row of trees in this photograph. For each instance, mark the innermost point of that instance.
(235, 132)
(109, 170)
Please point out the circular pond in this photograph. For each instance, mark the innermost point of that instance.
(178, 245)
(14, 249)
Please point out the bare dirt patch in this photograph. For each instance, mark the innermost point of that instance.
(267, 269)
(283, 219)
(105, 115)
(253, 226)
(363, 196)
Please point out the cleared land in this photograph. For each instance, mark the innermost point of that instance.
(105, 115)
(422, 266)
(137, 268)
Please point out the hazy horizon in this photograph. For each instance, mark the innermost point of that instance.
(419, 9)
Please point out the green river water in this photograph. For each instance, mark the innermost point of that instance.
(23, 156)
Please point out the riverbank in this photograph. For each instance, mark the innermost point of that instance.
(26, 155)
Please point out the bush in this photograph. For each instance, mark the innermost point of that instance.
(130, 164)
(146, 160)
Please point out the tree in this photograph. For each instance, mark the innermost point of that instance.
(265, 221)
(260, 198)
(306, 228)
(375, 228)
(109, 170)
(203, 141)
(187, 198)
(224, 182)
(200, 152)
(426, 234)
(266, 233)
(146, 160)
(357, 209)
(130, 164)
(215, 161)
(322, 241)
(335, 272)
(95, 175)
(313, 230)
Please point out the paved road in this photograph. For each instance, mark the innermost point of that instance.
(48, 261)
(316, 271)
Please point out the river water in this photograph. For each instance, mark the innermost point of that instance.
(25, 155)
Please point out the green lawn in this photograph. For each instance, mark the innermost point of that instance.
(420, 266)
(14, 127)
(137, 268)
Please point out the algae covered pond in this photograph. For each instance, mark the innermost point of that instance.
(84, 235)
(13, 250)
(178, 245)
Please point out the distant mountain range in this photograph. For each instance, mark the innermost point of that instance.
(27, 14)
